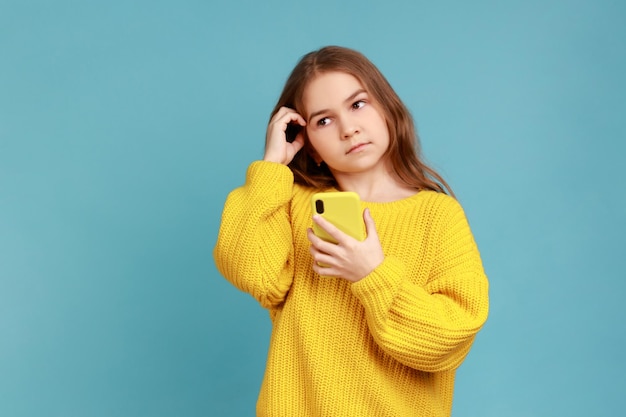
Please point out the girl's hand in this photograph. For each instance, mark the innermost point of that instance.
(277, 149)
(349, 259)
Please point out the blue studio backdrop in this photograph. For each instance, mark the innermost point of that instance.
(123, 126)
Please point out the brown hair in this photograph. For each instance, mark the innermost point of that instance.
(404, 151)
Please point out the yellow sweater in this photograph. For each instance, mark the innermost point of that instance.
(387, 345)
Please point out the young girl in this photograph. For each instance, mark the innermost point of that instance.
(381, 327)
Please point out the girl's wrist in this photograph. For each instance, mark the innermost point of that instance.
(273, 159)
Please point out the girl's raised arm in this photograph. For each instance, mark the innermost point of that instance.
(254, 248)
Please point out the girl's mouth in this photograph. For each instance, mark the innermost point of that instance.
(357, 148)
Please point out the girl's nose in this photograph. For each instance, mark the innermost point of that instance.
(348, 128)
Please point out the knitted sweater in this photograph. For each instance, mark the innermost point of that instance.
(387, 345)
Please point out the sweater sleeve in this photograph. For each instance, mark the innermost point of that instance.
(429, 328)
(254, 248)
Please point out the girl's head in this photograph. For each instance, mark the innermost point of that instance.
(403, 153)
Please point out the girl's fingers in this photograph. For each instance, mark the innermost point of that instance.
(284, 116)
(329, 228)
(277, 148)
(370, 225)
(319, 244)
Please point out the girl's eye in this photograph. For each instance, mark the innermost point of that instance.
(323, 121)
(358, 104)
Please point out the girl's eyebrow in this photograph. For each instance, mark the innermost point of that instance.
(349, 98)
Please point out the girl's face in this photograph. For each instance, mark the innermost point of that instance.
(344, 125)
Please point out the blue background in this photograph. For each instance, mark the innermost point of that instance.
(123, 125)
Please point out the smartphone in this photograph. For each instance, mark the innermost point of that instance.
(342, 209)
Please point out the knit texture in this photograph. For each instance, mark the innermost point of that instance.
(387, 345)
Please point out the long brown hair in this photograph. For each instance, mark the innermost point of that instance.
(404, 151)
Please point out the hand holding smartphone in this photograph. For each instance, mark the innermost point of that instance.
(343, 210)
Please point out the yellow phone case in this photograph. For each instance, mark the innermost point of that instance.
(342, 209)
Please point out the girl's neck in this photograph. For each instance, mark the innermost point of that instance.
(374, 187)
